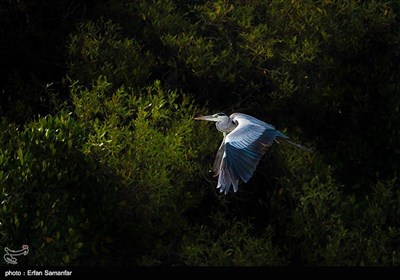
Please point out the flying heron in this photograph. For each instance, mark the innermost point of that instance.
(246, 140)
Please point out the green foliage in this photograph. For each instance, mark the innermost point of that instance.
(99, 49)
(71, 181)
(229, 242)
(337, 228)
(146, 139)
(101, 161)
(55, 198)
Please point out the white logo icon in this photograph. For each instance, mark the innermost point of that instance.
(10, 255)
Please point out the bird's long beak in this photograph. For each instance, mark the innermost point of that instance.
(206, 118)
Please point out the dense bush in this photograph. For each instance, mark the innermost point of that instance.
(101, 161)
(58, 200)
(230, 242)
(125, 129)
(98, 49)
(75, 185)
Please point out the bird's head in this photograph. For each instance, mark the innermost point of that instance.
(218, 117)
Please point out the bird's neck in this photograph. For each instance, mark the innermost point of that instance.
(225, 126)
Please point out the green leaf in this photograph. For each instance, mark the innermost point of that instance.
(52, 149)
(20, 155)
(57, 236)
(66, 259)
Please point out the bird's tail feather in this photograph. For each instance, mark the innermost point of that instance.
(301, 147)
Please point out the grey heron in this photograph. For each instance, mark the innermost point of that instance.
(245, 141)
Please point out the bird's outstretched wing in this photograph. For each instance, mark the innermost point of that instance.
(242, 149)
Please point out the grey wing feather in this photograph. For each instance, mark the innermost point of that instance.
(227, 177)
(243, 156)
(301, 147)
(218, 158)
